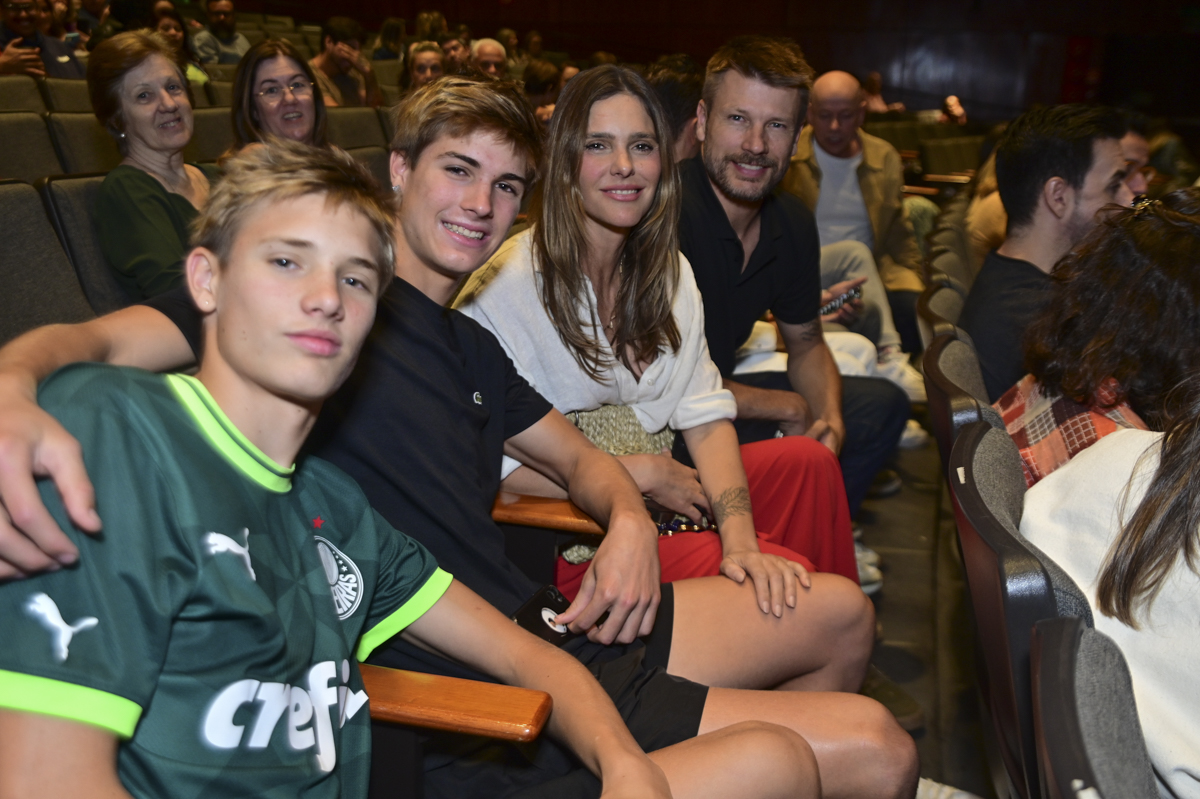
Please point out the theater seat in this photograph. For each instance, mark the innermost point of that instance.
(212, 135)
(1085, 717)
(354, 127)
(20, 93)
(83, 145)
(534, 527)
(376, 159)
(220, 94)
(37, 285)
(63, 94)
(1012, 585)
(387, 72)
(71, 203)
(28, 152)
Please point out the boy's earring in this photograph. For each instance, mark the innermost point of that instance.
(396, 189)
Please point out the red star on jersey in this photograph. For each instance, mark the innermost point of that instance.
(317, 522)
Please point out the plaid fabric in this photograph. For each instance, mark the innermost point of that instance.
(1049, 430)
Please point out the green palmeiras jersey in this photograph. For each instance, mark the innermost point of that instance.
(216, 621)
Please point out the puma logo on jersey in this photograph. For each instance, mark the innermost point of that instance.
(308, 722)
(218, 543)
(44, 609)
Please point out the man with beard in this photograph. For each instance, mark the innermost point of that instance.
(1055, 168)
(220, 43)
(456, 51)
(754, 251)
(24, 50)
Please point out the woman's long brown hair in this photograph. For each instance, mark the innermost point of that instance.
(649, 261)
(1167, 522)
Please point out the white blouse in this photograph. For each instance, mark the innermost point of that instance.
(1074, 515)
(682, 389)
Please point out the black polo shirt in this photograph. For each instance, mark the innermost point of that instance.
(1005, 297)
(421, 425)
(783, 276)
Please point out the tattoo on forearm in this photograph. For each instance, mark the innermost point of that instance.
(732, 502)
(809, 331)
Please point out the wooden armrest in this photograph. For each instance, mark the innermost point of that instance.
(961, 179)
(925, 191)
(909, 155)
(448, 703)
(553, 514)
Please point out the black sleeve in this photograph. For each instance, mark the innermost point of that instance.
(177, 306)
(799, 295)
(523, 406)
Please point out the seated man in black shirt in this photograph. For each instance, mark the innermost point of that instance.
(422, 424)
(1056, 168)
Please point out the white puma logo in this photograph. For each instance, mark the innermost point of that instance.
(42, 607)
(223, 543)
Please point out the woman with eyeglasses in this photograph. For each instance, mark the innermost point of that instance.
(276, 94)
(146, 204)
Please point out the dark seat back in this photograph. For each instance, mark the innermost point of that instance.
(20, 93)
(70, 203)
(220, 94)
(37, 285)
(28, 152)
(63, 94)
(954, 386)
(1085, 717)
(1010, 590)
(388, 72)
(349, 128)
(939, 307)
(376, 159)
(83, 145)
(212, 135)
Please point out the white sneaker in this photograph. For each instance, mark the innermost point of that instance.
(864, 554)
(928, 789)
(893, 365)
(914, 436)
(870, 579)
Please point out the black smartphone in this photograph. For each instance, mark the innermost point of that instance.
(837, 302)
(538, 614)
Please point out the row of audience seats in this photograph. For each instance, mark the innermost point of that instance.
(942, 149)
(56, 143)
(1058, 707)
(23, 93)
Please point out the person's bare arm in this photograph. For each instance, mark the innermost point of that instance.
(813, 373)
(461, 625)
(33, 443)
(623, 578)
(714, 449)
(48, 756)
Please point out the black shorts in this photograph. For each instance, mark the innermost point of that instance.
(660, 710)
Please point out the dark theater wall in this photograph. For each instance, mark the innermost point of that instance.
(997, 55)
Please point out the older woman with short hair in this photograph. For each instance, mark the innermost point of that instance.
(146, 205)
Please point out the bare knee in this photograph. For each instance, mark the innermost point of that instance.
(851, 620)
(892, 759)
(774, 761)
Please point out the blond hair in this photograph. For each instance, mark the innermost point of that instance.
(282, 170)
(460, 105)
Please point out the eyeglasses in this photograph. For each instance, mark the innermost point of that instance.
(274, 93)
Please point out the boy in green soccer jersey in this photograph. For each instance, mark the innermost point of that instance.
(205, 642)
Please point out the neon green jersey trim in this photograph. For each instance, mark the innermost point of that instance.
(227, 439)
(41, 695)
(409, 612)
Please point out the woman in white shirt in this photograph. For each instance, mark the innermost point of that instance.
(1123, 519)
(597, 308)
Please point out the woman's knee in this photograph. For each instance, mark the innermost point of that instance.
(777, 760)
(893, 763)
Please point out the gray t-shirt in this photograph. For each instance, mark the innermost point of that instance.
(841, 213)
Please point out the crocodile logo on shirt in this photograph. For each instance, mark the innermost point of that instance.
(308, 721)
(45, 610)
(343, 576)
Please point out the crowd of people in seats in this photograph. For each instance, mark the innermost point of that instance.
(652, 335)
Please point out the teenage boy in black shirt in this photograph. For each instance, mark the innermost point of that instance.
(460, 193)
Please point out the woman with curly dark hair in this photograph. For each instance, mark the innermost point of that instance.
(1121, 330)
(1123, 518)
